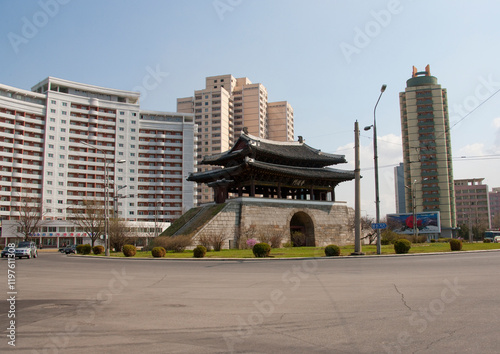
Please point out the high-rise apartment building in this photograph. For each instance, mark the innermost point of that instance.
(57, 140)
(224, 107)
(494, 199)
(399, 187)
(471, 197)
(427, 155)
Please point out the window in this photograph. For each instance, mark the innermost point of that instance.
(52, 129)
(61, 165)
(121, 129)
(133, 121)
(60, 192)
(61, 174)
(49, 183)
(62, 157)
(64, 113)
(63, 130)
(63, 121)
(65, 104)
(122, 120)
(52, 120)
(50, 164)
(51, 155)
(122, 113)
(121, 137)
(51, 146)
(53, 102)
(59, 202)
(52, 111)
(60, 183)
(50, 173)
(132, 130)
(132, 179)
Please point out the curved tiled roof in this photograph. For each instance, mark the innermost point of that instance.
(293, 153)
(326, 175)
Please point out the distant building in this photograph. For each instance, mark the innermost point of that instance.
(471, 197)
(494, 198)
(399, 184)
(427, 154)
(56, 140)
(223, 108)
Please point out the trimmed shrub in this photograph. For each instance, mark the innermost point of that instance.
(389, 235)
(433, 240)
(487, 240)
(402, 246)
(444, 240)
(385, 241)
(455, 245)
(298, 239)
(421, 239)
(173, 243)
(261, 250)
(98, 249)
(129, 250)
(332, 250)
(83, 249)
(199, 251)
(158, 252)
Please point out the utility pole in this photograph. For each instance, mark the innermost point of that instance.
(357, 195)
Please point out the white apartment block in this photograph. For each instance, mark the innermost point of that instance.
(57, 140)
(223, 108)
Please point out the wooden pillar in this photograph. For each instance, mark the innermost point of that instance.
(333, 194)
(252, 188)
(279, 191)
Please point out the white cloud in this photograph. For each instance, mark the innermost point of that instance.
(389, 156)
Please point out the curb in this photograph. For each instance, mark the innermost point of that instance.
(286, 258)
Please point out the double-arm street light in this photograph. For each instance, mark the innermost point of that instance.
(375, 158)
(106, 164)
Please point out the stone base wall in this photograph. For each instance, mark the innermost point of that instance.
(330, 223)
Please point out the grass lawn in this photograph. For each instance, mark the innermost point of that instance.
(319, 251)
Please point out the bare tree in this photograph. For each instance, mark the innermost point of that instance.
(366, 227)
(90, 219)
(119, 234)
(30, 216)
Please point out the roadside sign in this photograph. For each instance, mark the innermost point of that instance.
(380, 225)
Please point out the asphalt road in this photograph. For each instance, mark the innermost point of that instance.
(413, 304)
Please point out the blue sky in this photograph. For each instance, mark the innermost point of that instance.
(327, 58)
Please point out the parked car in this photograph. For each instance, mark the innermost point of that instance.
(496, 239)
(70, 249)
(5, 252)
(26, 249)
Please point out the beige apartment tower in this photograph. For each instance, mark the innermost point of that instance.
(428, 170)
(223, 108)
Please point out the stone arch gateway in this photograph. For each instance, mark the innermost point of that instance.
(302, 222)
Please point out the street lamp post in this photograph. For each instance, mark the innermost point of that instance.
(106, 195)
(375, 158)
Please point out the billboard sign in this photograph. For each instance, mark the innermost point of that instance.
(427, 223)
